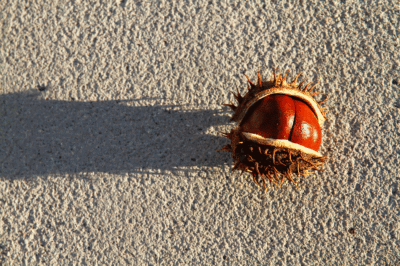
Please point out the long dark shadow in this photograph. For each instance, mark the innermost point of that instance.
(39, 136)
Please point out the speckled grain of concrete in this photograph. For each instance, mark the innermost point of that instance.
(113, 160)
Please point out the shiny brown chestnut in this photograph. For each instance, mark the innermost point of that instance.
(278, 131)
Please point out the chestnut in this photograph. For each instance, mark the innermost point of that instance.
(278, 130)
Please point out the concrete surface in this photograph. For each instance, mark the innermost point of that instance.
(113, 160)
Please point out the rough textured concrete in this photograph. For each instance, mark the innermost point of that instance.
(113, 160)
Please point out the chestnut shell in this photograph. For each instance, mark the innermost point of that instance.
(278, 132)
(279, 116)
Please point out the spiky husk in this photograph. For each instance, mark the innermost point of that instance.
(268, 162)
(265, 162)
